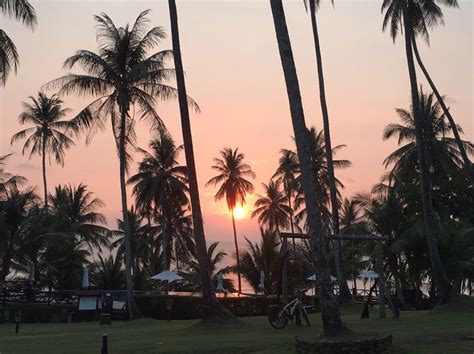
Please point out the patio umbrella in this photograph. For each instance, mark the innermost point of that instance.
(85, 278)
(369, 274)
(167, 276)
(261, 286)
(220, 282)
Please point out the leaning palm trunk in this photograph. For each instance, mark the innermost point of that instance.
(344, 293)
(45, 184)
(212, 308)
(131, 305)
(331, 317)
(439, 275)
(236, 252)
(467, 163)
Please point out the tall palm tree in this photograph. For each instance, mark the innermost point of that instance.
(128, 82)
(432, 16)
(49, 134)
(287, 173)
(161, 183)
(234, 187)
(409, 13)
(212, 308)
(271, 208)
(22, 11)
(332, 322)
(343, 287)
(75, 211)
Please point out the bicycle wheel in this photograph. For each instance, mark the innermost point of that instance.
(305, 316)
(277, 319)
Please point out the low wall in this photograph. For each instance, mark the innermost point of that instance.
(381, 344)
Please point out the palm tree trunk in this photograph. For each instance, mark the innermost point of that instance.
(132, 307)
(45, 184)
(331, 317)
(212, 308)
(439, 275)
(467, 163)
(236, 252)
(344, 293)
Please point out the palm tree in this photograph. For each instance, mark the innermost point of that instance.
(344, 289)
(266, 257)
(7, 179)
(128, 81)
(432, 16)
(271, 208)
(161, 183)
(140, 241)
(107, 273)
(15, 224)
(215, 258)
(234, 187)
(332, 322)
(75, 211)
(22, 11)
(410, 14)
(212, 309)
(287, 173)
(442, 150)
(49, 134)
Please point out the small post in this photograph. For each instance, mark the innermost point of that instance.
(169, 307)
(105, 322)
(17, 321)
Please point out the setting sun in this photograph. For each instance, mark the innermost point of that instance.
(239, 213)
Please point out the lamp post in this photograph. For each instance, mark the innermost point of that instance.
(105, 322)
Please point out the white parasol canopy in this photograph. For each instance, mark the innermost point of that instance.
(369, 274)
(167, 276)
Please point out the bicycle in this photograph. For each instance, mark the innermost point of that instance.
(279, 315)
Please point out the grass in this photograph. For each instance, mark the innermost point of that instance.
(415, 332)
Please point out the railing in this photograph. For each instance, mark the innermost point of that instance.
(25, 296)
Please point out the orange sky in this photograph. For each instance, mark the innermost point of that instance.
(233, 71)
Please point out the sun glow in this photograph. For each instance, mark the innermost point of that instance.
(239, 213)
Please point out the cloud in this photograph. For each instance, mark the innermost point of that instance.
(27, 166)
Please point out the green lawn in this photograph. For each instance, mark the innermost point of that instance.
(415, 332)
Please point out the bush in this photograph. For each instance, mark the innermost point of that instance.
(36, 313)
(187, 307)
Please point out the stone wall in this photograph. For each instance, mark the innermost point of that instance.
(381, 344)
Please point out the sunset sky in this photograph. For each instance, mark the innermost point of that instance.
(233, 71)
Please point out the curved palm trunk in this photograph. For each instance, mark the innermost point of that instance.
(165, 245)
(132, 306)
(439, 275)
(239, 280)
(344, 293)
(212, 308)
(467, 163)
(45, 184)
(331, 317)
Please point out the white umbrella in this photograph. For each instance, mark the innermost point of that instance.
(85, 278)
(313, 278)
(261, 286)
(167, 275)
(220, 282)
(369, 274)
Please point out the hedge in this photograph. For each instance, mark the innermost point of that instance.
(36, 313)
(186, 307)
